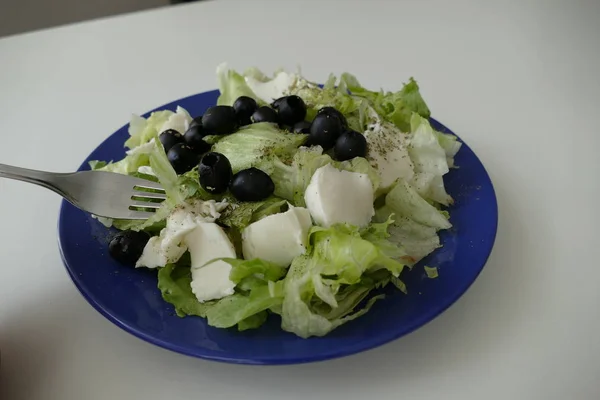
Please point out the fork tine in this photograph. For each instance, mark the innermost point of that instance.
(149, 195)
(144, 204)
(146, 184)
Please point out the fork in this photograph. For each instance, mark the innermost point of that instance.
(101, 193)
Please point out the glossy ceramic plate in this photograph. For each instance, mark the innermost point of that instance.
(129, 297)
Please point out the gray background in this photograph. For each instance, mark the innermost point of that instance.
(17, 16)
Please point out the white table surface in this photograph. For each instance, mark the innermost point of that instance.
(518, 80)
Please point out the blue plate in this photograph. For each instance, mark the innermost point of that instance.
(129, 297)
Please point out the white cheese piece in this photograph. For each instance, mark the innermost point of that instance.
(191, 227)
(212, 282)
(278, 238)
(273, 89)
(210, 279)
(209, 210)
(388, 153)
(169, 246)
(208, 242)
(180, 121)
(335, 196)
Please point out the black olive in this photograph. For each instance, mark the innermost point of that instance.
(324, 131)
(251, 184)
(264, 114)
(194, 137)
(350, 144)
(170, 138)
(215, 172)
(127, 246)
(334, 113)
(244, 107)
(195, 122)
(182, 158)
(275, 104)
(220, 120)
(291, 109)
(301, 127)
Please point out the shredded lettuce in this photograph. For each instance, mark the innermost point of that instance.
(174, 283)
(247, 309)
(396, 107)
(324, 287)
(450, 144)
(143, 130)
(240, 215)
(344, 253)
(430, 162)
(432, 272)
(236, 308)
(258, 145)
(404, 201)
(232, 85)
(306, 310)
(242, 269)
(127, 166)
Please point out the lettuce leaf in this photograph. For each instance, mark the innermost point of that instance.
(396, 107)
(263, 270)
(404, 201)
(247, 310)
(326, 287)
(343, 252)
(143, 130)
(231, 86)
(415, 222)
(240, 215)
(127, 166)
(307, 310)
(417, 240)
(430, 162)
(236, 308)
(450, 144)
(174, 283)
(431, 272)
(258, 145)
(378, 233)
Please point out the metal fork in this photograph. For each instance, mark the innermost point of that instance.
(104, 194)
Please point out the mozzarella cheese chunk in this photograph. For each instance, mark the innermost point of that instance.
(335, 196)
(212, 282)
(208, 242)
(210, 279)
(273, 89)
(191, 227)
(278, 238)
(168, 247)
(388, 153)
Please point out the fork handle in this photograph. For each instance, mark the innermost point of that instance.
(41, 178)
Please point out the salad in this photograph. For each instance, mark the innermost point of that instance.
(286, 198)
